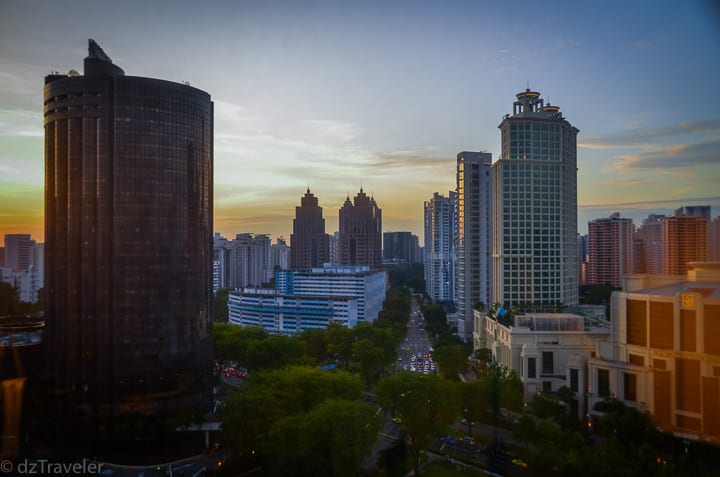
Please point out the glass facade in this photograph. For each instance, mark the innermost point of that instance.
(128, 224)
(534, 246)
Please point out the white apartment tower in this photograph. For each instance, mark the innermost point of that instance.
(535, 182)
(473, 236)
(440, 247)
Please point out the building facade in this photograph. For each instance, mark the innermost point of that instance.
(367, 286)
(360, 235)
(663, 355)
(535, 232)
(440, 259)
(610, 250)
(546, 350)
(289, 314)
(473, 236)
(309, 244)
(652, 244)
(684, 240)
(128, 230)
(400, 248)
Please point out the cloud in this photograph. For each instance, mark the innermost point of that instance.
(648, 136)
(671, 158)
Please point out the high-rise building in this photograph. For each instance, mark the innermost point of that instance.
(309, 246)
(334, 240)
(535, 235)
(473, 236)
(684, 241)
(19, 252)
(400, 248)
(128, 230)
(440, 260)
(610, 244)
(360, 240)
(582, 251)
(247, 260)
(652, 244)
(714, 240)
(281, 254)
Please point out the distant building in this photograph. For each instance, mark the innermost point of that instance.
(535, 234)
(582, 250)
(714, 240)
(289, 314)
(281, 254)
(610, 247)
(664, 354)
(245, 261)
(440, 259)
(652, 244)
(473, 236)
(400, 248)
(19, 252)
(684, 241)
(334, 240)
(367, 286)
(360, 239)
(309, 242)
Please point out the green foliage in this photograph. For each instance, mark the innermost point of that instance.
(412, 276)
(330, 439)
(269, 396)
(426, 404)
(451, 360)
(220, 305)
(10, 303)
(495, 388)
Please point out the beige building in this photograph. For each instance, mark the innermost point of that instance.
(546, 350)
(664, 352)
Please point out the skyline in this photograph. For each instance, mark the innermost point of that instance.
(337, 97)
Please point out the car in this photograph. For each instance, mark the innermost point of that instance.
(520, 463)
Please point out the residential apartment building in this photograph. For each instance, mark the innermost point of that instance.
(473, 236)
(439, 249)
(610, 247)
(684, 240)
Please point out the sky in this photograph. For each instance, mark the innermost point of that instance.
(338, 95)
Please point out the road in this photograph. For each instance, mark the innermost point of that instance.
(415, 353)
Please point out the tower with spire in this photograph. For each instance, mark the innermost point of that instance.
(360, 237)
(309, 244)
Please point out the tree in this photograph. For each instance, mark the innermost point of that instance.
(426, 404)
(331, 439)
(268, 396)
(451, 360)
(220, 305)
(370, 358)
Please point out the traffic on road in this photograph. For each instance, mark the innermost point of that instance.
(415, 352)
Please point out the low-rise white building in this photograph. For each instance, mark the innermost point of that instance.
(289, 314)
(356, 281)
(546, 350)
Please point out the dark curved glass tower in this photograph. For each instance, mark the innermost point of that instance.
(128, 233)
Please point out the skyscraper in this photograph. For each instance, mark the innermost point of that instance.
(399, 247)
(309, 244)
(535, 236)
(360, 240)
(440, 260)
(128, 229)
(610, 243)
(473, 236)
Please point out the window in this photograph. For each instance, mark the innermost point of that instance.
(547, 386)
(630, 387)
(603, 382)
(574, 380)
(547, 362)
(531, 368)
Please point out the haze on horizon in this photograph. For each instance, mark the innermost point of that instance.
(383, 95)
